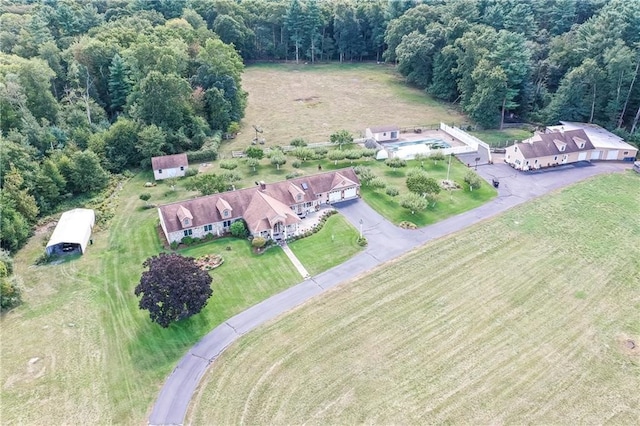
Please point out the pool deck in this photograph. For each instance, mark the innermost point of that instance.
(427, 134)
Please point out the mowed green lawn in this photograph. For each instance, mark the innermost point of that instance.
(336, 243)
(526, 318)
(79, 350)
(292, 101)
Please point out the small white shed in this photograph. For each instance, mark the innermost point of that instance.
(72, 233)
(383, 133)
(169, 166)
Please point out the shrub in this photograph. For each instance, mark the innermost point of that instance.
(231, 176)
(377, 183)
(202, 155)
(239, 229)
(296, 164)
(320, 151)
(298, 142)
(369, 153)
(174, 245)
(258, 242)
(187, 241)
(10, 292)
(392, 191)
(191, 171)
(362, 241)
(228, 164)
(473, 180)
(395, 162)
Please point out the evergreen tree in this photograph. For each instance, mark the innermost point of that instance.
(295, 23)
(119, 84)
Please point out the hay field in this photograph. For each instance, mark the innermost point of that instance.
(528, 318)
(312, 102)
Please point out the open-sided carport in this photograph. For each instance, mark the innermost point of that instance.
(73, 232)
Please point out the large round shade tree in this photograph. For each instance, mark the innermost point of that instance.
(174, 288)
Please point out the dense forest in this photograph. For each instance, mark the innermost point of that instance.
(91, 88)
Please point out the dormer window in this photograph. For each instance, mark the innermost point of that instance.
(562, 148)
(225, 213)
(299, 197)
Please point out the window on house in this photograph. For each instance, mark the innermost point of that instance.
(625, 153)
(182, 168)
(188, 232)
(186, 222)
(225, 213)
(208, 228)
(555, 158)
(226, 223)
(160, 171)
(299, 197)
(535, 162)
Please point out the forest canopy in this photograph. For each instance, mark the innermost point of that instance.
(94, 87)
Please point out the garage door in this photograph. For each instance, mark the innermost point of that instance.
(612, 155)
(595, 155)
(349, 193)
(582, 156)
(334, 196)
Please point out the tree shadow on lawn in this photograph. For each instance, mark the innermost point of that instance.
(153, 348)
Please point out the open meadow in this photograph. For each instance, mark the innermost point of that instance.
(531, 317)
(311, 102)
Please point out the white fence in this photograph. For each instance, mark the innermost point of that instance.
(466, 138)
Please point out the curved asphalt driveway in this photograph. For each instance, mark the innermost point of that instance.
(386, 242)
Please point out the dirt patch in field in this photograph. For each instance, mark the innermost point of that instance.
(629, 345)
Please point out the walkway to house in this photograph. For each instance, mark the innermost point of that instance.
(292, 257)
(386, 242)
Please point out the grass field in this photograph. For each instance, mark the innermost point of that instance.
(526, 318)
(313, 101)
(80, 351)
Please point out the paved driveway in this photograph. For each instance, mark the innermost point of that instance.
(386, 242)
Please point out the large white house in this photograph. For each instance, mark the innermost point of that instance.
(566, 144)
(271, 210)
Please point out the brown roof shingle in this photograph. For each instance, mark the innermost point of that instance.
(169, 161)
(257, 206)
(546, 144)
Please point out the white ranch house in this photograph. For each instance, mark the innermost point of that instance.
(271, 210)
(169, 166)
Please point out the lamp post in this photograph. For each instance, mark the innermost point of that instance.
(477, 159)
(360, 228)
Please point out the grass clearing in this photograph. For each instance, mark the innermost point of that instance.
(525, 318)
(313, 101)
(500, 138)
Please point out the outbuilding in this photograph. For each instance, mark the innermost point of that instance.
(169, 166)
(72, 233)
(383, 133)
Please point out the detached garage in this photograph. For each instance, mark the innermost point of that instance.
(73, 232)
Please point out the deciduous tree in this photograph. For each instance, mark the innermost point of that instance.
(173, 288)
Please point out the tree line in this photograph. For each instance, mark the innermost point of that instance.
(90, 88)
